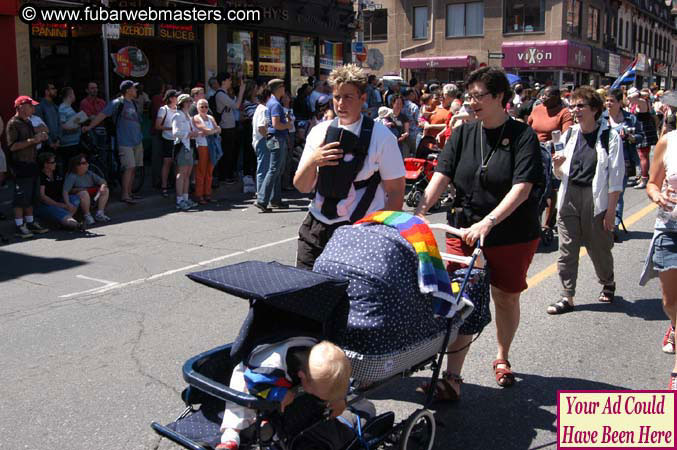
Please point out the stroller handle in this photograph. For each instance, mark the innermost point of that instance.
(465, 260)
(446, 228)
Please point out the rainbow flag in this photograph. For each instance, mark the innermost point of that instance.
(432, 275)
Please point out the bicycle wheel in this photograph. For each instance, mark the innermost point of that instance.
(139, 174)
(94, 167)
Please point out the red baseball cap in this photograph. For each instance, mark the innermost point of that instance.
(24, 99)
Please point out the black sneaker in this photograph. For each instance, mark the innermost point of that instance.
(23, 232)
(36, 228)
(262, 207)
(280, 205)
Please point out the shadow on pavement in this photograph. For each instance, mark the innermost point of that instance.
(491, 417)
(647, 309)
(16, 265)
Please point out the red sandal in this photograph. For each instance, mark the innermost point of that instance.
(504, 376)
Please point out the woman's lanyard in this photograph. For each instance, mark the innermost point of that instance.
(485, 163)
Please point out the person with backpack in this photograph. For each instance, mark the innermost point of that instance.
(495, 165)
(128, 136)
(223, 104)
(592, 168)
(163, 123)
(346, 189)
(630, 131)
(642, 109)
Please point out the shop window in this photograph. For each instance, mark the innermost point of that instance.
(331, 56)
(627, 34)
(421, 22)
(593, 24)
(376, 25)
(302, 54)
(524, 16)
(272, 56)
(465, 19)
(620, 32)
(574, 8)
(239, 53)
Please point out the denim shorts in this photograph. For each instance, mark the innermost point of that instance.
(665, 252)
(55, 214)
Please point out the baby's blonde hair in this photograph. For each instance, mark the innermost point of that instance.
(329, 369)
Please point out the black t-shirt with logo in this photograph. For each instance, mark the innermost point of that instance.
(516, 159)
(53, 186)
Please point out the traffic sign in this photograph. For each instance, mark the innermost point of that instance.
(496, 55)
(111, 30)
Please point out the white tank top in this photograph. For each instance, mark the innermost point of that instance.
(670, 163)
(201, 141)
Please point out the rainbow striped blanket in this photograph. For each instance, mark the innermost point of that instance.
(432, 275)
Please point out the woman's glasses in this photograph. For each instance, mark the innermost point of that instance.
(477, 96)
(578, 106)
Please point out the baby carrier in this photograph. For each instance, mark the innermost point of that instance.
(334, 182)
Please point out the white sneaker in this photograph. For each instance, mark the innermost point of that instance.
(101, 217)
(89, 220)
(183, 206)
(669, 341)
(191, 203)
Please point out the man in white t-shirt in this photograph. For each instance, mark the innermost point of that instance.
(383, 160)
(259, 133)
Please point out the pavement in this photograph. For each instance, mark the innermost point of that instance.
(95, 328)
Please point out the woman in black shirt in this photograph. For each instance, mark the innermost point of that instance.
(592, 168)
(51, 207)
(493, 163)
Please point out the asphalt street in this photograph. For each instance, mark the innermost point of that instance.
(95, 329)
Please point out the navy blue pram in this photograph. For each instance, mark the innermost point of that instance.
(351, 295)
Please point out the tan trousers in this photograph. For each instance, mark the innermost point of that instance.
(578, 226)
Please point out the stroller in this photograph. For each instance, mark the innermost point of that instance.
(284, 300)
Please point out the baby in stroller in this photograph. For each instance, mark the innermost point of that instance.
(278, 372)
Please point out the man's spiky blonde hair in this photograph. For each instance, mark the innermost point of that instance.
(351, 74)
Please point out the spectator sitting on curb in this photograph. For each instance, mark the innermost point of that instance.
(22, 142)
(88, 187)
(51, 207)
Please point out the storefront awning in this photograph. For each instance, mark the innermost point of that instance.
(435, 62)
(547, 54)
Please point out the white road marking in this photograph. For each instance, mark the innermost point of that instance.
(112, 285)
(88, 291)
(84, 277)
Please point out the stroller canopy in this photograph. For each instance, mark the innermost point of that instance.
(284, 301)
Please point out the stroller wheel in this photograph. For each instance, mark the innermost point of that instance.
(415, 198)
(419, 431)
(547, 236)
(409, 200)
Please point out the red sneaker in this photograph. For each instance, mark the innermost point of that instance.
(228, 445)
(669, 340)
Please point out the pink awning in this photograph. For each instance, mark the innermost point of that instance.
(434, 62)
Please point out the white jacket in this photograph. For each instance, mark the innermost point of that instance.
(182, 125)
(609, 173)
